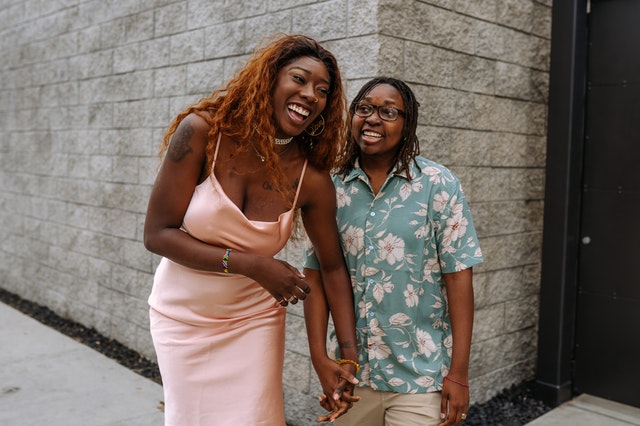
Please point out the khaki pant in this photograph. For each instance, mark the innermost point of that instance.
(377, 408)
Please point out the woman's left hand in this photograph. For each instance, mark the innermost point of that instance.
(338, 383)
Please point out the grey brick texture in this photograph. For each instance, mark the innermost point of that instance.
(88, 88)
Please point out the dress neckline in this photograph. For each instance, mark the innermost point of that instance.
(218, 186)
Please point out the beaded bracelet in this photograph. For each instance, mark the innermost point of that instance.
(225, 261)
(457, 383)
(349, 361)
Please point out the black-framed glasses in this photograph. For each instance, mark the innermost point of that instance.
(385, 112)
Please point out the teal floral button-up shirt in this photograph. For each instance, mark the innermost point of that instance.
(397, 244)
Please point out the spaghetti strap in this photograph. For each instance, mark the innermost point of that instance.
(215, 154)
(304, 168)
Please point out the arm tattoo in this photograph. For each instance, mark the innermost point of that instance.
(179, 147)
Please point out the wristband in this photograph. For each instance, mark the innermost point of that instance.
(225, 261)
(349, 361)
(457, 383)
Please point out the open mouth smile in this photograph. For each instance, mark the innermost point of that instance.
(299, 112)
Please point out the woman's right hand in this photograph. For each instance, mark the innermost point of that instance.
(284, 282)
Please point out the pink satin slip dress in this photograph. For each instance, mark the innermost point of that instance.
(219, 338)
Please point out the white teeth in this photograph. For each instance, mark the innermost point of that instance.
(299, 110)
(372, 134)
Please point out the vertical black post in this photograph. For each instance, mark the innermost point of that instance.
(558, 291)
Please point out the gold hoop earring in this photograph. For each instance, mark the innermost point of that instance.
(316, 128)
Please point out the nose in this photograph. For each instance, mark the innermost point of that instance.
(373, 118)
(308, 92)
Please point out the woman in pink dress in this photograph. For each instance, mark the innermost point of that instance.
(238, 167)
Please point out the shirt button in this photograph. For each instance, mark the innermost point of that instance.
(372, 314)
(370, 281)
(372, 214)
(370, 247)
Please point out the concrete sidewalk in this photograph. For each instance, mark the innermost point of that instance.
(588, 410)
(47, 378)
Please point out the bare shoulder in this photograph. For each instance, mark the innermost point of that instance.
(190, 136)
(316, 186)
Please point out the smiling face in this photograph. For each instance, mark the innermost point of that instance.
(374, 136)
(299, 95)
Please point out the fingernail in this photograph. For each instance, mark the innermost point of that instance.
(442, 416)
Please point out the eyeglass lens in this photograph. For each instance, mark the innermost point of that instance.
(386, 113)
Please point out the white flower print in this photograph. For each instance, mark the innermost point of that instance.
(448, 344)
(425, 342)
(400, 319)
(438, 302)
(422, 231)
(405, 191)
(342, 198)
(456, 228)
(363, 308)
(431, 268)
(424, 381)
(391, 248)
(422, 212)
(374, 328)
(378, 292)
(377, 348)
(353, 240)
(440, 201)
(434, 174)
(396, 381)
(411, 297)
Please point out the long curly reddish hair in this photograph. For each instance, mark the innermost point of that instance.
(243, 109)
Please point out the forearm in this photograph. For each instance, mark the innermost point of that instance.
(337, 286)
(461, 305)
(182, 248)
(316, 317)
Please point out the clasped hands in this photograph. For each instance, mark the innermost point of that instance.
(338, 385)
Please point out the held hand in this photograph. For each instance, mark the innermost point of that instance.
(340, 407)
(338, 385)
(455, 402)
(284, 282)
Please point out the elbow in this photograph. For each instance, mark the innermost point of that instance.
(150, 241)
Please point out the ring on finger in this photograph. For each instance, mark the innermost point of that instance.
(463, 416)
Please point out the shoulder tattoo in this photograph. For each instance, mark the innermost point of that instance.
(179, 147)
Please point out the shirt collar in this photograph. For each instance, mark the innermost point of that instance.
(357, 171)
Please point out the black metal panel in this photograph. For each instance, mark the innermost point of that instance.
(608, 302)
(615, 52)
(567, 86)
(611, 247)
(607, 347)
(612, 147)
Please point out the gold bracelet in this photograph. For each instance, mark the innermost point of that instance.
(349, 361)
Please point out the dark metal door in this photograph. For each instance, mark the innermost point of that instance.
(607, 350)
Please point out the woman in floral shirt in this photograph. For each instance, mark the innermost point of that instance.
(410, 245)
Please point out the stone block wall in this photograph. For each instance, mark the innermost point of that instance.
(89, 86)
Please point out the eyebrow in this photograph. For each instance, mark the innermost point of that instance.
(295, 67)
(387, 102)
